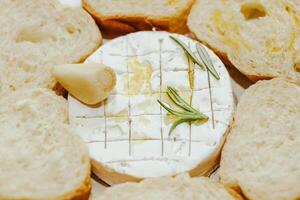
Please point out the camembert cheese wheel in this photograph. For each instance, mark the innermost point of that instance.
(128, 134)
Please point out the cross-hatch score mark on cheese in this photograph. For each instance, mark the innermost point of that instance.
(129, 132)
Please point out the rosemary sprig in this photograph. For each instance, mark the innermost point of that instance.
(186, 113)
(204, 62)
(187, 50)
(209, 65)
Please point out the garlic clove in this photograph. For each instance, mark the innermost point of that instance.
(90, 83)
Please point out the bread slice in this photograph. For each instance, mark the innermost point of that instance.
(121, 17)
(261, 157)
(40, 156)
(36, 35)
(260, 38)
(179, 188)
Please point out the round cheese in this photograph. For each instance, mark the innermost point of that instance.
(128, 134)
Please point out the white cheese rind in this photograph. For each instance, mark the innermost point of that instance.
(133, 137)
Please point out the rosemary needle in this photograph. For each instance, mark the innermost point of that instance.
(186, 113)
(204, 62)
(187, 50)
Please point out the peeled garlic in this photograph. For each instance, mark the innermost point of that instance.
(90, 83)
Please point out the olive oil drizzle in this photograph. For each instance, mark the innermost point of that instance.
(191, 73)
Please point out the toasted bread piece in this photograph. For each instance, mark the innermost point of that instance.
(120, 17)
(40, 156)
(260, 38)
(181, 187)
(36, 35)
(261, 157)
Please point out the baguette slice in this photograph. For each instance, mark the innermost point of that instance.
(261, 157)
(122, 17)
(37, 35)
(179, 188)
(40, 156)
(260, 38)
